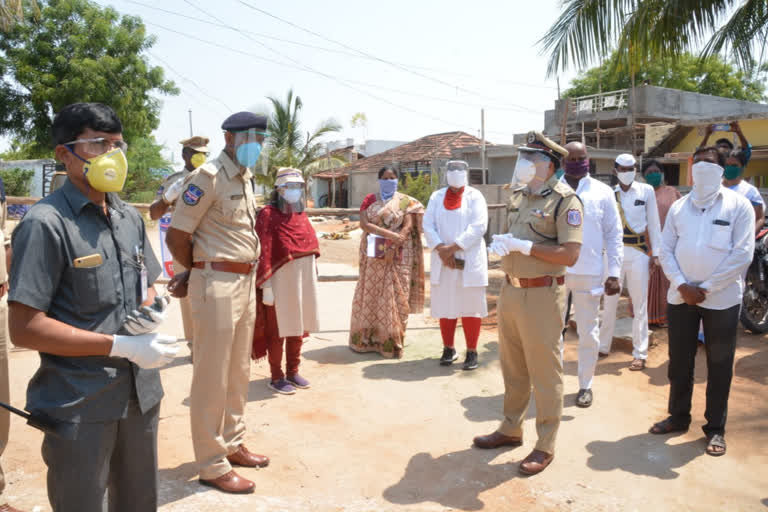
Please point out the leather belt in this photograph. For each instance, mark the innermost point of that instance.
(534, 282)
(634, 239)
(234, 267)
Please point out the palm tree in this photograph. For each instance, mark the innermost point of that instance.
(589, 30)
(12, 12)
(287, 146)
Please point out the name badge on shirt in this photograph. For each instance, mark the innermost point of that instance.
(719, 222)
(639, 202)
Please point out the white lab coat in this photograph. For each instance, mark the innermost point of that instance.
(465, 226)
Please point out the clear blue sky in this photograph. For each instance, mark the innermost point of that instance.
(450, 58)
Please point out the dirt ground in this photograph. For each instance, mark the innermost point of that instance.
(395, 435)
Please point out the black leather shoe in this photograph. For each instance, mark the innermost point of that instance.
(449, 356)
(584, 398)
(470, 363)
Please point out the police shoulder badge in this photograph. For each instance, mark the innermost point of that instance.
(192, 195)
(573, 217)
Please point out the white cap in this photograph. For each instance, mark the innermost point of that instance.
(625, 160)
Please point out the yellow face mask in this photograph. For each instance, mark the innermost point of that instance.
(107, 172)
(197, 160)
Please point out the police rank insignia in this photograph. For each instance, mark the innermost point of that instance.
(192, 195)
(573, 218)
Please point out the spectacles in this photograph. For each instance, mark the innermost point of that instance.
(100, 145)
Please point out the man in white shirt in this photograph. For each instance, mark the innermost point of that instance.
(706, 247)
(641, 236)
(602, 232)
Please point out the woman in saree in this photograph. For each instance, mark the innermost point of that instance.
(391, 282)
(658, 284)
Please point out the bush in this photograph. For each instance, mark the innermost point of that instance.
(18, 182)
(420, 187)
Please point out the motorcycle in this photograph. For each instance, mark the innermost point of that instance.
(754, 308)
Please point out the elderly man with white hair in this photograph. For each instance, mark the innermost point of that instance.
(642, 237)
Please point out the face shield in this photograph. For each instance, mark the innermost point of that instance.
(290, 197)
(531, 169)
(247, 147)
(456, 173)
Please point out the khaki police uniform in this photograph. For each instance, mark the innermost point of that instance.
(532, 309)
(199, 144)
(218, 208)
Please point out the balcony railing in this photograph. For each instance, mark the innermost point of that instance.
(613, 100)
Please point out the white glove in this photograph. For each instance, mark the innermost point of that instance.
(512, 244)
(497, 248)
(147, 318)
(146, 350)
(174, 191)
(268, 298)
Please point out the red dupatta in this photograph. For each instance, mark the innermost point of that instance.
(284, 237)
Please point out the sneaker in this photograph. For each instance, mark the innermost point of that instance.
(584, 398)
(298, 381)
(282, 386)
(470, 363)
(449, 356)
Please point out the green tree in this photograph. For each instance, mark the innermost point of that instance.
(420, 187)
(588, 31)
(77, 51)
(17, 182)
(146, 167)
(12, 12)
(286, 146)
(712, 75)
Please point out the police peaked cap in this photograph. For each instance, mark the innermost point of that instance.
(244, 121)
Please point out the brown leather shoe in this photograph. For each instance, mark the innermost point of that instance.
(242, 457)
(536, 462)
(496, 440)
(232, 483)
(8, 508)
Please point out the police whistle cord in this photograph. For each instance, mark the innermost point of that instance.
(42, 422)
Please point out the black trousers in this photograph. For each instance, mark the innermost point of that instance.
(118, 455)
(720, 335)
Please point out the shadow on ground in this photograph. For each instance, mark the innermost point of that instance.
(338, 354)
(491, 408)
(178, 483)
(454, 480)
(644, 454)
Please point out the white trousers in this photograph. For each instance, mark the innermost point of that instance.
(586, 292)
(635, 272)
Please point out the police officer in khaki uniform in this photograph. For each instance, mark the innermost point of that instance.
(212, 233)
(545, 229)
(195, 153)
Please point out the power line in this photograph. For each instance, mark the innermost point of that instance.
(165, 63)
(303, 67)
(374, 57)
(339, 52)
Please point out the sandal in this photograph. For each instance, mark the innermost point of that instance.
(716, 445)
(637, 365)
(667, 426)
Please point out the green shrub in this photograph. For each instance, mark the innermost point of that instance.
(420, 187)
(18, 182)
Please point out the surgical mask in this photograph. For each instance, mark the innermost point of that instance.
(654, 179)
(387, 188)
(707, 179)
(197, 160)
(732, 172)
(107, 172)
(525, 170)
(292, 195)
(559, 173)
(627, 177)
(248, 154)
(577, 168)
(456, 179)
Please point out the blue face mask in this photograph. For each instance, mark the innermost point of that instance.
(248, 154)
(387, 188)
